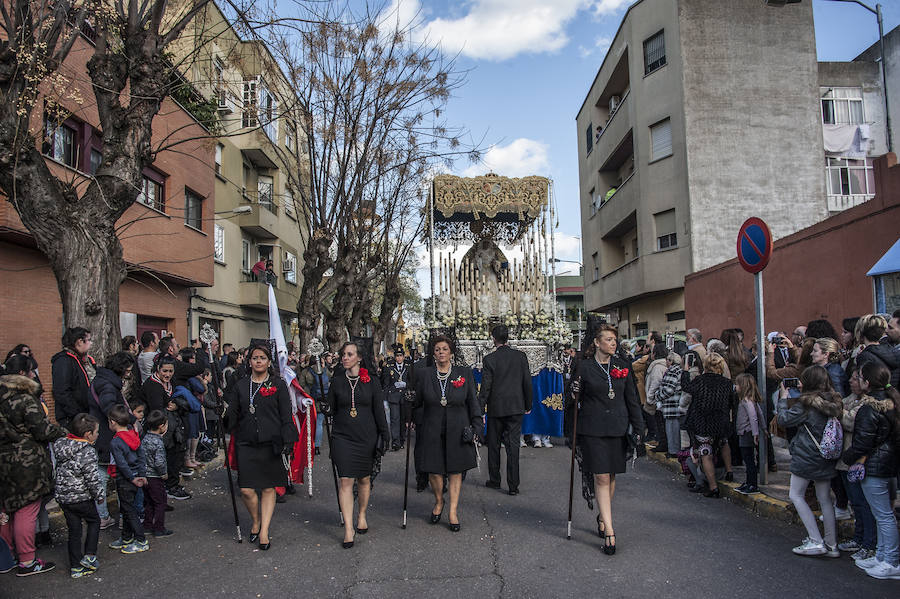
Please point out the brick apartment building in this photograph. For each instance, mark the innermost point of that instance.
(168, 247)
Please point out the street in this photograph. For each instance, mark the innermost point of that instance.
(671, 543)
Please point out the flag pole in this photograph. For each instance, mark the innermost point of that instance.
(406, 473)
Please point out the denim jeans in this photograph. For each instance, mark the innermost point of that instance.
(878, 494)
(102, 508)
(320, 419)
(864, 529)
(673, 435)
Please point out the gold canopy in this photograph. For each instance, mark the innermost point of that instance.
(490, 195)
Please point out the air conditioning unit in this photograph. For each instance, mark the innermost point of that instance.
(614, 103)
(287, 265)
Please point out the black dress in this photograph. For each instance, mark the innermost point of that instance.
(602, 421)
(261, 434)
(439, 445)
(355, 438)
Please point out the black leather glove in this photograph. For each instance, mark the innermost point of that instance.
(380, 446)
(324, 407)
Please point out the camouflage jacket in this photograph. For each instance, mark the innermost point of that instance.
(77, 474)
(26, 473)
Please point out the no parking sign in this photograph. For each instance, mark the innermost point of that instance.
(754, 245)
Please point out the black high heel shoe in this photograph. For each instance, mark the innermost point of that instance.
(348, 544)
(435, 518)
(600, 527)
(254, 537)
(264, 546)
(454, 527)
(362, 531)
(607, 548)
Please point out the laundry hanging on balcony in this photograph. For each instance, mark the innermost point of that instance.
(846, 141)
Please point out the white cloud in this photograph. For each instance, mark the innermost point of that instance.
(520, 158)
(609, 7)
(601, 45)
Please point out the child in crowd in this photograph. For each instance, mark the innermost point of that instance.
(139, 411)
(155, 492)
(749, 429)
(78, 486)
(130, 469)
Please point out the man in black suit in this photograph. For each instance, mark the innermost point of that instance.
(394, 380)
(506, 392)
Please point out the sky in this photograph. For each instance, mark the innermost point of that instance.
(530, 64)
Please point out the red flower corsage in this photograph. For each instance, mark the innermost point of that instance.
(364, 375)
(268, 390)
(458, 382)
(618, 373)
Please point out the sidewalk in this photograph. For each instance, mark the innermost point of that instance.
(773, 502)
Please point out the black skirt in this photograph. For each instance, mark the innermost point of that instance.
(353, 457)
(603, 455)
(259, 467)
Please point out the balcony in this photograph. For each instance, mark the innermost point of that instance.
(619, 205)
(253, 293)
(262, 220)
(615, 130)
(838, 203)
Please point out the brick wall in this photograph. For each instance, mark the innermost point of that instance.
(818, 272)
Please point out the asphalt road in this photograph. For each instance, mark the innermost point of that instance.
(671, 544)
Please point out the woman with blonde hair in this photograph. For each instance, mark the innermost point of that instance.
(826, 352)
(708, 419)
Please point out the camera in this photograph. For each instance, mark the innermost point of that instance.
(791, 383)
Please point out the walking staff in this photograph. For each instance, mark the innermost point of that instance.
(237, 523)
(406, 472)
(315, 350)
(572, 459)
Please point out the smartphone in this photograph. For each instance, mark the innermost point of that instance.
(688, 361)
(791, 383)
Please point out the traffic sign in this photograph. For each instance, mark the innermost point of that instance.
(754, 245)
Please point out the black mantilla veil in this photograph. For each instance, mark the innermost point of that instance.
(366, 346)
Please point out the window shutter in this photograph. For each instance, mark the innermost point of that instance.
(661, 139)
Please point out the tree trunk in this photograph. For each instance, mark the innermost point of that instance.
(389, 302)
(316, 260)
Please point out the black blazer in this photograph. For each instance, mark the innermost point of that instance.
(271, 423)
(599, 415)
(505, 383)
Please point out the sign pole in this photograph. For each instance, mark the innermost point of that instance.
(763, 466)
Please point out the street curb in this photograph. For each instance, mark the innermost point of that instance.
(58, 520)
(760, 504)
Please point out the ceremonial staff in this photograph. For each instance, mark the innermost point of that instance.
(207, 336)
(315, 350)
(409, 394)
(577, 395)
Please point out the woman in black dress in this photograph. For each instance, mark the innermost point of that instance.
(609, 402)
(360, 434)
(259, 407)
(446, 396)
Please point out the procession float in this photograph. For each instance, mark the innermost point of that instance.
(492, 261)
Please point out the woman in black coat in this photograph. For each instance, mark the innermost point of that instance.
(259, 407)
(359, 435)
(446, 398)
(608, 404)
(709, 416)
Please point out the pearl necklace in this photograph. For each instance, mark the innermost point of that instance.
(443, 379)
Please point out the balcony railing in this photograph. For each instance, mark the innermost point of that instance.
(838, 203)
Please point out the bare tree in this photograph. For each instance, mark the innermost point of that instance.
(73, 221)
(372, 99)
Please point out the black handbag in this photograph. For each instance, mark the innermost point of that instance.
(468, 434)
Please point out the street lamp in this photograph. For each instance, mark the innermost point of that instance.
(239, 210)
(877, 12)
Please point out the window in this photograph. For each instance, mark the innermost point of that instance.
(152, 194)
(673, 316)
(245, 255)
(220, 151)
(634, 247)
(219, 74)
(665, 230)
(589, 137)
(60, 143)
(641, 329)
(289, 266)
(887, 292)
(96, 160)
(596, 262)
(219, 243)
(289, 203)
(268, 106)
(289, 137)
(193, 209)
(654, 53)
(849, 176)
(660, 140)
(594, 200)
(249, 118)
(264, 186)
(842, 106)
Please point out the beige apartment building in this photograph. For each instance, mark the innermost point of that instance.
(256, 176)
(702, 114)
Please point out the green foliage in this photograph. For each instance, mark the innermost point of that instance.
(205, 111)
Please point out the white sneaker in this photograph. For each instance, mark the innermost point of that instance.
(832, 551)
(842, 514)
(522, 442)
(810, 547)
(884, 571)
(865, 564)
(546, 442)
(862, 554)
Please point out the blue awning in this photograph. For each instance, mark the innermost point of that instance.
(888, 263)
